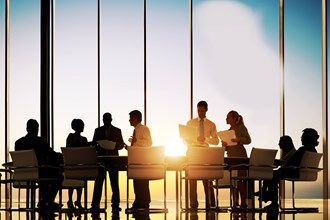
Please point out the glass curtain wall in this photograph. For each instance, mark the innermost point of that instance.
(122, 62)
(2, 75)
(303, 76)
(24, 86)
(75, 68)
(236, 65)
(168, 72)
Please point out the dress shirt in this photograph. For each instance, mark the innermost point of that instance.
(210, 130)
(143, 136)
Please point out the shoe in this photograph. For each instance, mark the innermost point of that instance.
(272, 206)
(78, 204)
(70, 205)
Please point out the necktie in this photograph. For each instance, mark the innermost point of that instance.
(201, 127)
(133, 138)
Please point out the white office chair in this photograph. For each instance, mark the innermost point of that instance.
(224, 184)
(307, 172)
(203, 163)
(147, 163)
(260, 167)
(27, 175)
(80, 163)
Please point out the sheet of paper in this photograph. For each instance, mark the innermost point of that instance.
(187, 133)
(106, 144)
(226, 136)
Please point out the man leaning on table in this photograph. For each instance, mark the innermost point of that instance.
(141, 138)
(207, 135)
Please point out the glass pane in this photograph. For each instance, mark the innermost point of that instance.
(236, 64)
(303, 75)
(122, 72)
(24, 66)
(168, 72)
(2, 78)
(75, 68)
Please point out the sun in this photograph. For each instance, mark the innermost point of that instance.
(175, 147)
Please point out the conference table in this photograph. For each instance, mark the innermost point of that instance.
(173, 163)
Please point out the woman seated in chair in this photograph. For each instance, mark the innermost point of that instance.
(287, 151)
(309, 141)
(76, 140)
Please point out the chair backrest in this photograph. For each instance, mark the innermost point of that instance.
(309, 166)
(146, 163)
(80, 163)
(262, 162)
(205, 162)
(25, 164)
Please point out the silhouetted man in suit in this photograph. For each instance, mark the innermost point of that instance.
(111, 133)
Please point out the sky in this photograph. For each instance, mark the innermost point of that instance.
(235, 66)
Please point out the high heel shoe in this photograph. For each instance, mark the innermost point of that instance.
(70, 205)
(78, 204)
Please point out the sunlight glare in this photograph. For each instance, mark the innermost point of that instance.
(175, 147)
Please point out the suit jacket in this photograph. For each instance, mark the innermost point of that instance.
(115, 136)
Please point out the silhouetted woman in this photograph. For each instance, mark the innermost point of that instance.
(236, 123)
(287, 151)
(76, 140)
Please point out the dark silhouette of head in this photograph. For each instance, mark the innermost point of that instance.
(202, 108)
(107, 119)
(237, 117)
(309, 138)
(135, 117)
(77, 125)
(32, 127)
(286, 144)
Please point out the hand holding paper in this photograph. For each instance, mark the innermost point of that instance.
(106, 144)
(227, 137)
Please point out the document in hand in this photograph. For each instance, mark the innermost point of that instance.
(188, 133)
(106, 144)
(226, 136)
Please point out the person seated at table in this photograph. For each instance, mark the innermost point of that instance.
(207, 135)
(76, 140)
(110, 133)
(45, 156)
(287, 151)
(242, 137)
(309, 140)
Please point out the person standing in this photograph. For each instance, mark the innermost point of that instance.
(76, 140)
(236, 123)
(207, 135)
(111, 133)
(141, 138)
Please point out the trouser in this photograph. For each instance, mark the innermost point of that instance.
(142, 194)
(114, 181)
(210, 199)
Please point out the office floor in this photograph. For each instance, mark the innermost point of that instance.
(177, 215)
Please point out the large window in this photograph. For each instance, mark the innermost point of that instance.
(303, 71)
(24, 66)
(75, 67)
(122, 62)
(236, 65)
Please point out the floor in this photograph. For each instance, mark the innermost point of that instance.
(173, 214)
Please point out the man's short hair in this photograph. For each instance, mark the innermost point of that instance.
(32, 126)
(137, 114)
(202, 104)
